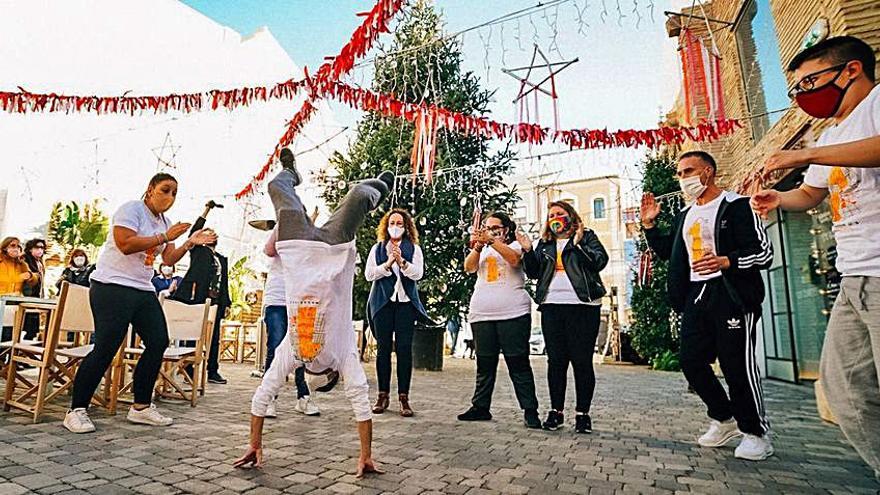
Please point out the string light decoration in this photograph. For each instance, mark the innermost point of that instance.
(166, 155)
(527, 87)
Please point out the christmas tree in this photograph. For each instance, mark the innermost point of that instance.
(655, 328)
(421, 66)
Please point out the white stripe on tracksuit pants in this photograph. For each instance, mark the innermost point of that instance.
(713, 326)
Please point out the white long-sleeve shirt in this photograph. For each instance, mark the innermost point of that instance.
(413, 271)
(319, 276)
(357, 390)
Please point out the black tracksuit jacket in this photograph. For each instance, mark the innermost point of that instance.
(739, 235)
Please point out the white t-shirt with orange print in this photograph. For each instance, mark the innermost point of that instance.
(499, 293)
(133, 270)
(853, 193)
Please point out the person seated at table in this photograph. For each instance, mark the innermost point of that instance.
(166, 281)
(34, 250)
(78, 269)
(14, 274)
(14, 271)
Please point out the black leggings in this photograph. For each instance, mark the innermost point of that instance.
(394, 322)
(114, 308)
(570, 332)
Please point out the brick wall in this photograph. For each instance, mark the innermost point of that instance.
(740, 155)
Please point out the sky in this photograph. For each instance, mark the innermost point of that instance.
(626, 77)
(626, 74)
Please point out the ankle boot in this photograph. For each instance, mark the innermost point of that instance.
(382, 403)
(405, 410)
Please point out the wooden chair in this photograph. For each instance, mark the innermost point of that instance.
(185, 323)
(250, 343)
(230, 335)
(72, 314)
(212, 318)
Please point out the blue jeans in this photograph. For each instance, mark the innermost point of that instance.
(276, 329)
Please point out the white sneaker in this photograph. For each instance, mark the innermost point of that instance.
(754, 448)
(307, 407)
(719, 433)
(271, 412)
(148, 416)
(78, 421)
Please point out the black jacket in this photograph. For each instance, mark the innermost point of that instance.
(202, 274)
(739, 235)
(76, 276)
(582, 262)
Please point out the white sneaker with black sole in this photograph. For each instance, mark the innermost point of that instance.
(307, 407)
(719, 433)
(78, 421)
(148, 416)
(754, 448)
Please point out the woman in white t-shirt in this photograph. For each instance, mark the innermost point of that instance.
(122, 294)
(500, 317)
(566, 262)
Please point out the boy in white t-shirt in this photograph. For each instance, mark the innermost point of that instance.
(835, 80)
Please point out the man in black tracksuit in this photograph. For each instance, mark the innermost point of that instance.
(716, 249)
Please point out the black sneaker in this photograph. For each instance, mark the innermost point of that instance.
(288, 161)
(475, 414)
(332, 378)
(531, 418)
(554, 420)
(216, 378)
(583, 423)
(388, 178)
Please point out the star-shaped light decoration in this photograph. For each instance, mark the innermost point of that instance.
(547, 85)
(166, 155)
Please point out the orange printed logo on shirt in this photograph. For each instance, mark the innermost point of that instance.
(309, 336)
(491, 269)
(696, 233)
(151, 256)
(838, 198)
(559, 266)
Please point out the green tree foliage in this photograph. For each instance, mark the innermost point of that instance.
(239, 276)
(655, 328)
(465, 172)
(75, 227)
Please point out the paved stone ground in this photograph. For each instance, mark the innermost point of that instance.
(643, 442)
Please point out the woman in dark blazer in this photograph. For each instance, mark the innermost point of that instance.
(394, 265)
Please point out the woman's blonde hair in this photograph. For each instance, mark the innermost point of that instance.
(409, 226)
(577, 224)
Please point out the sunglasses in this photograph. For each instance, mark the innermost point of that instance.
(808, 82)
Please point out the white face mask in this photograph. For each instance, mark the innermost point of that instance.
(167, 270)
(79, 261)
(692, 187)
(395, 232)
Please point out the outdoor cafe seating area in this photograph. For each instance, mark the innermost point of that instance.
(39, 373)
